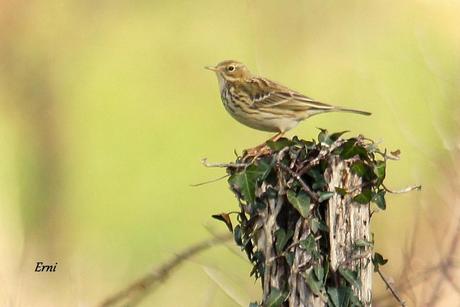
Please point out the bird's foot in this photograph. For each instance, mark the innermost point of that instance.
(251, 154)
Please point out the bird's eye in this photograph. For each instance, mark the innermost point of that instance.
(231, 68)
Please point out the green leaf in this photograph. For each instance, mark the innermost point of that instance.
(340, 297)
(325, 195)
(318, 178)
(348, 149)
(253, 305)
(260, 170)
(309, 244)
(313, 283)
(282, 238)
(279, 144)
(322, 136)
(289, 258)
(276, 298)
(350, 276)
(364, 197)
(316, 224)
(325, 138)
(351, 149)
(379, 199)
(245, 180)
(379, 170)
(301, 202)
(359, 168)
(237, 235)
(336, 135)
(319, 272)
(378, 260)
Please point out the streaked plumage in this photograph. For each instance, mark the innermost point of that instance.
(263, 104)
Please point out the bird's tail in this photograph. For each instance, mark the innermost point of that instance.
(340, 109)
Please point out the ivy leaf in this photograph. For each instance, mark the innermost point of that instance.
(301, 202)
(339, 297)
(245, 180)
(318, 179)
(309, 244)
(351, 149)
(379, 171)
(364, 197)
(322, 136)
(378, 260)
(276, 298)
(237, 235)
(336, 135)
(325, 195)
(313, 283)
(379, 199)
(279, 144)
(359, 168)
(282, 237)
(261, 170)
(350, 276)
(325, 138)
(289, 258)
(316, 224)
(224, 217)
(348, 149)
(319, 271)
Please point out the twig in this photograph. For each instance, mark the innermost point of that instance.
(135, 291)
(234, 165)
(391, 288)
(322, 154)
(305, 187)
(405, 190)
(209, 181)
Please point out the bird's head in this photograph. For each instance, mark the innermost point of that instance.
(230, 70)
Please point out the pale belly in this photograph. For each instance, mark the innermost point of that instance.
(266, 124)
(263, 121)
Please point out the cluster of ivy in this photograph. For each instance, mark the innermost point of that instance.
(293, 158)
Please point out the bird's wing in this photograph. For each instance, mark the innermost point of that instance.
(267, 94)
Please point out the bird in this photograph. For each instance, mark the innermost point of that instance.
(264, 104)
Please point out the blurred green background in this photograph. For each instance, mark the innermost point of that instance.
(106, 112)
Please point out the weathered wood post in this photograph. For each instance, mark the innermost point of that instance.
(304, 219)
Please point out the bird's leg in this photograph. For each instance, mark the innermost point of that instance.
(261, 149)
(276, 137)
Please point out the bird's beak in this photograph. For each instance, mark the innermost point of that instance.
(211, 68)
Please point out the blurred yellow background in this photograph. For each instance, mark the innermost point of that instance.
(106, 112)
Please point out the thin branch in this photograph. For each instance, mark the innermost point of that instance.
(234, 165)
(322, 154)
(135, 291)
(402, 191)
(209, 181)
(305, 187)
(391, 288)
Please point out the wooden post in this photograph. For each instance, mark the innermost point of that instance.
(349, 224)
(305, 220)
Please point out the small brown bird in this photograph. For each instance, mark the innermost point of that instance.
(264, 104)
